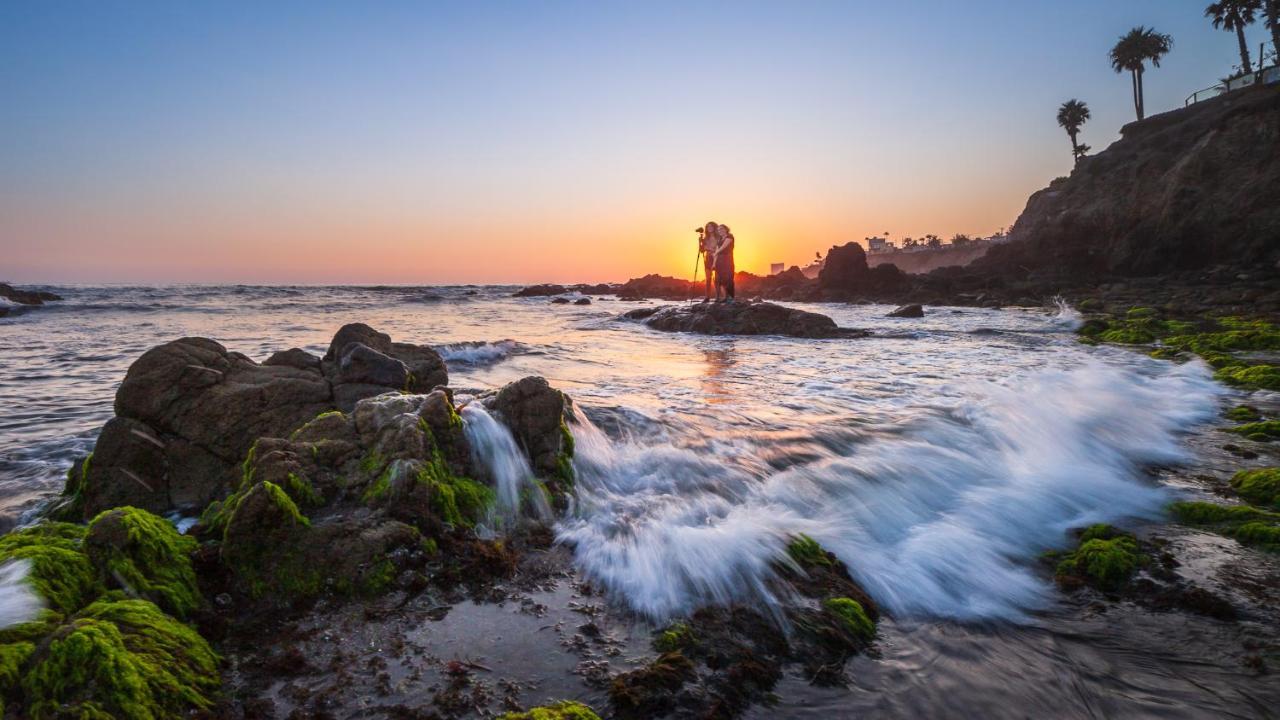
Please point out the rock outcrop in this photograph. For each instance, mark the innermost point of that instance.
(1183, 190)
(189, 410)
(26, 297)
(907, 311)
(741, 318)
(544, 290)
(846, 274)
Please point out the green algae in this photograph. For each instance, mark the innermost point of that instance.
(61, 573)
(262, 559)
(1260, 486)
(1243, 414)
(13, 656)
(459, 501)
(807, 552)
(1263, 431)
(677, 636)
(851, 616)
(1264, 377)
(121, 658)
(1247, 525)
(302, 491)
(564, 710)
(1106, 558)
(146, 556)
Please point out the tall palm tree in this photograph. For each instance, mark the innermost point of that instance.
(1235, 15)
(1132, 52)
(1272, 11)
(1072, 116)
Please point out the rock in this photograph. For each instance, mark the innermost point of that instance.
(560, 301)
(741, 319)
(294, 358)
(427, 369)
(582, 301)
(1165, 197)
(908, 311)
(188, 412)
(537, 414)
(362, 364)
(540, 291)
(659, 286)
(26, 297)
(357, 333)
(846, 272)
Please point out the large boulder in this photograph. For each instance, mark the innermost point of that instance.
(760, 318)
(26, 297)
(537, 415)
(844, 269)
(188, 412)
(907, 311)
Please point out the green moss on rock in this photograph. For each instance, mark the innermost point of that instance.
(1105, 559)
(146, 556)
(1243, 414)
(121, 659)
(1263, 431)
(1264, 377)
(677, 636)
(564, 710)
(60, 571)
(1247, 525)
(851, 616)
(1260, 487)
(807, 552)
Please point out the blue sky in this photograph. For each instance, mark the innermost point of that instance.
(424, 142)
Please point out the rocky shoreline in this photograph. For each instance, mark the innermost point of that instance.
(336, 563)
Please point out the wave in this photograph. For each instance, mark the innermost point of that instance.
(1065, 317)
(480, 353)
(944, 518)
(18, 602)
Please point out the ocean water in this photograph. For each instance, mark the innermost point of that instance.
(938, 458)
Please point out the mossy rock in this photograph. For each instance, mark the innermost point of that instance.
(145, 556)
(1262, 377)
(1260, 487)
(1105, 559)
(1247, 525)
(1243, 414)
(1263, 431)
(261, 527)
(564, 710)
(677, 636)
(120, 658)
(851, 618)
(807, 553)
(61, 572)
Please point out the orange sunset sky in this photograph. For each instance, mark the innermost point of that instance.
(567, 142)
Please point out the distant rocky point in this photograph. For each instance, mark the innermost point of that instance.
(24, 297)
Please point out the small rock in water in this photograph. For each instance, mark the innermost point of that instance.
(739, 318)
(908, 311)
(560, 301)
(582, 301)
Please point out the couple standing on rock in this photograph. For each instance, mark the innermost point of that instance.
(715, 245)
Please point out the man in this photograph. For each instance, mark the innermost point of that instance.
(724, 265)
(708, 239)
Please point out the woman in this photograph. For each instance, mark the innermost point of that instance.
(708, 239)
(724, 265)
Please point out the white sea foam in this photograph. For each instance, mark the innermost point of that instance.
(945, 519)
(479, 353)
(494, 449)
(19, 603)
(1065, 317)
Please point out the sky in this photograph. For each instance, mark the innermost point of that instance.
(419, 142)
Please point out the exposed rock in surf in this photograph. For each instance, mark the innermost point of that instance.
(539, 417)
(189, 410)
(26, 297)
(846, 274)
(908, 311)
(544, 290)
(560, 301)
(740, 318)
(582, 301)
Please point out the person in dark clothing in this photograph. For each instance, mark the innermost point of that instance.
(724, 265)
(708, 239)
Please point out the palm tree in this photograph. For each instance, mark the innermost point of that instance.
(1235, 15)
(1272, 11)
(1131, 53)
(1071, 116)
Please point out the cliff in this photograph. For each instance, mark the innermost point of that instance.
(928, 260)
(1183, 190)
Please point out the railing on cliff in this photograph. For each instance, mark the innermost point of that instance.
(1268, 73)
